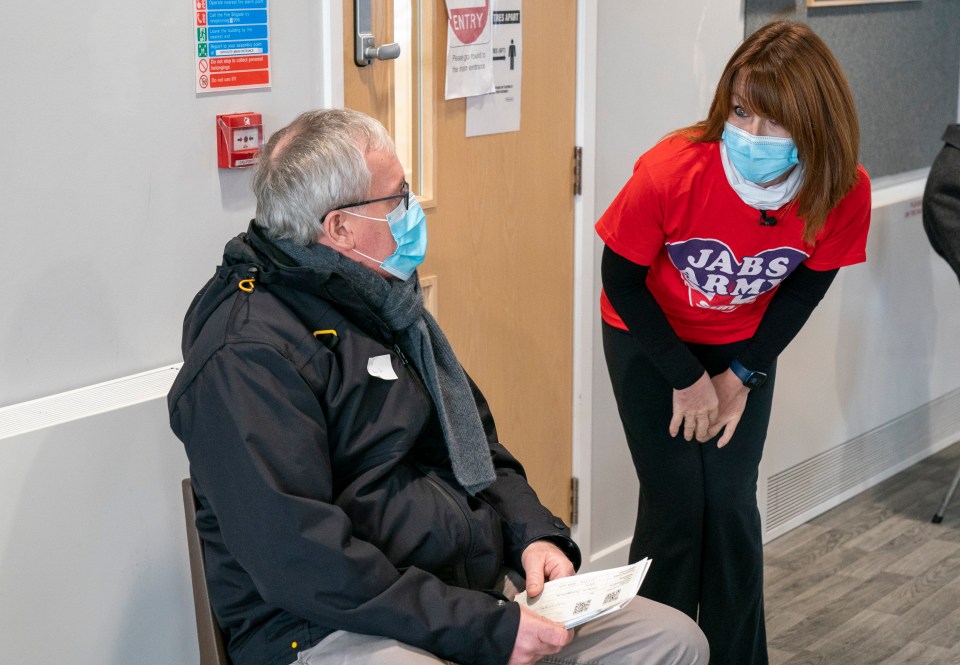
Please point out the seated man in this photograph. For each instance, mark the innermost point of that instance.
(354, 502)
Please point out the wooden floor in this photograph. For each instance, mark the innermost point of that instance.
(872, 580)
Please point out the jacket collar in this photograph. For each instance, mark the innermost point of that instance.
(297, 285)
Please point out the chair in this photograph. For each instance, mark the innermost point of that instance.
(938, 517)
(212, 649)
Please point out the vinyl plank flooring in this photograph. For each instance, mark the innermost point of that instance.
(922, 586)
(945, 633)
(808, 658)
(825, 617)
(914, 653)
(787, 588)
(788, 542)
(888, 554)
(861, 512)
(813, 549)
(779, 657)
(829, 590)
(918, 619)
(890, 529)
(781, 620)
(774, 574)
(882, 649)
(924, 557)
(850, 637)
(872, 581)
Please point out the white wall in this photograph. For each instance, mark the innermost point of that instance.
(114, 214)
(93, 566)
(114, 211)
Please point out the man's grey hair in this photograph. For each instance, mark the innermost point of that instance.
(312, 166)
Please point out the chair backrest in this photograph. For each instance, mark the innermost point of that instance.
(212, 649)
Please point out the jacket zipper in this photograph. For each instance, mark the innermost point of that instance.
(461, 568)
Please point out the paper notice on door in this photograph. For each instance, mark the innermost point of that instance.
(469, 49)
(500, 110)
(581, 598)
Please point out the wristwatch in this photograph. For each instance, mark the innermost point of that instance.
(752, 379)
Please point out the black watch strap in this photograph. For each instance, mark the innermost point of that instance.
(752, 379)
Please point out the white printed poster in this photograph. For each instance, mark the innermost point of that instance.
(469, 49)
(499, 111)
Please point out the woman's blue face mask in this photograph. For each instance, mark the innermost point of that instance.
(759, 159)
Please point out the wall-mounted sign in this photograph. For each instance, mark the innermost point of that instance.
(232, 44)
(469, 49)
(500, 111)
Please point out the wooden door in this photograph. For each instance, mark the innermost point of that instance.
(500, 219)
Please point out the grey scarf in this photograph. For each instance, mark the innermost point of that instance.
(400, 305)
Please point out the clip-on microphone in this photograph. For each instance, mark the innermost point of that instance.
(767, 221)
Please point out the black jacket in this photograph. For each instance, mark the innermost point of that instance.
(941, 200)
(326, 496)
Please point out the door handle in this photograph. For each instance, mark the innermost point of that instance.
(365, 46)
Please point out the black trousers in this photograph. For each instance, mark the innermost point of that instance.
(697, 515)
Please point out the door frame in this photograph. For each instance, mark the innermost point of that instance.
(586, 296)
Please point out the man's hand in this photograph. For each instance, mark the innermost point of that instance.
(543, 561)
(695, 408)
(732, 395)
(537, 637)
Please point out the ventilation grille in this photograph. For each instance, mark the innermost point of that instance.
(826, 476)
(87, 401)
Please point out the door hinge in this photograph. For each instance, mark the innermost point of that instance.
(574, 501)
(577, 170)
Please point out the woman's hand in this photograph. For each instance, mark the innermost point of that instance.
(733, 399)
(695, 408)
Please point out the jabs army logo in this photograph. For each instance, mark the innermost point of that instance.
(717, 280)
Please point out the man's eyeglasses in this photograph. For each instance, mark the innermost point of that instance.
(404, 195)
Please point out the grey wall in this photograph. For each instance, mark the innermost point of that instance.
(903, 63)
(113, 215)
(114, 211)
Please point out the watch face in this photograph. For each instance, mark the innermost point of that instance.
(755, 380)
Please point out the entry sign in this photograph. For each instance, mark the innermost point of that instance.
(500, 111)
(231, 44)
(469, 49)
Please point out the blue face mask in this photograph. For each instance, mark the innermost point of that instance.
(409, 230)
(759, 159)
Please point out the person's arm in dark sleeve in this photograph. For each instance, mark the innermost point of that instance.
(941, 200)
(257, 440)
(625, 284)
(789, 309)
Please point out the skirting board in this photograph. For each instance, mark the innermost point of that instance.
(805, 490)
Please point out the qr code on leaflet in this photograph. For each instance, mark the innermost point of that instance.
(612, 596)
(582, 606)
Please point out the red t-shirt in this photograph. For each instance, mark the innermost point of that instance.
(713, 267)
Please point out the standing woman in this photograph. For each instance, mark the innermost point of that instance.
(717, 250)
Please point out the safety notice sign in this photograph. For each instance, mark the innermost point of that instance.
(500, 110)
(232, 44)
(469, 49)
